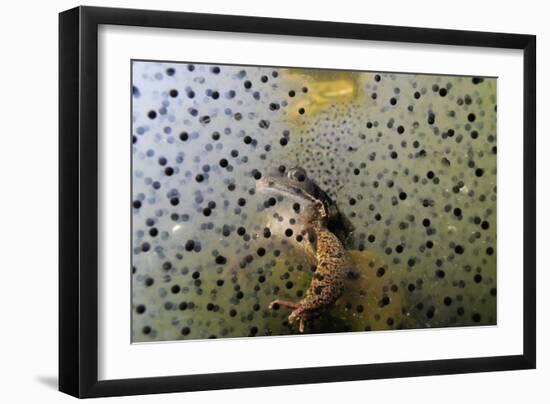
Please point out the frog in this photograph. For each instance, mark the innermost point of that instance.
(326, 232)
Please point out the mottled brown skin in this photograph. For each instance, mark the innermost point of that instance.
(332, 268)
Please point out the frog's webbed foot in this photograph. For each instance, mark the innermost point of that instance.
(303, 315)
(297, 312)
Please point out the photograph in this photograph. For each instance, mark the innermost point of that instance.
(269, 201)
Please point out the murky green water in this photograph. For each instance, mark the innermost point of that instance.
(409, 159)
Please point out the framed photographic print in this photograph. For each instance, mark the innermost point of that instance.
(251, 201)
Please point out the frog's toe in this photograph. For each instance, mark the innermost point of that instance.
(302, 324)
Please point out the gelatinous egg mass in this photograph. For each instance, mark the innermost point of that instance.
(408, 159)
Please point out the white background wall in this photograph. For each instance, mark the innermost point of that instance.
(28, 178)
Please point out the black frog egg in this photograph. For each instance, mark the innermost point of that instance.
(409, 160)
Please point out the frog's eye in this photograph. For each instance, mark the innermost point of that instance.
(297, 174)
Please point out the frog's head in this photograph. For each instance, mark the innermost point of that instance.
(295, 184)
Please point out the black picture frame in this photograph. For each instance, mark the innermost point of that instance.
(78, 196)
